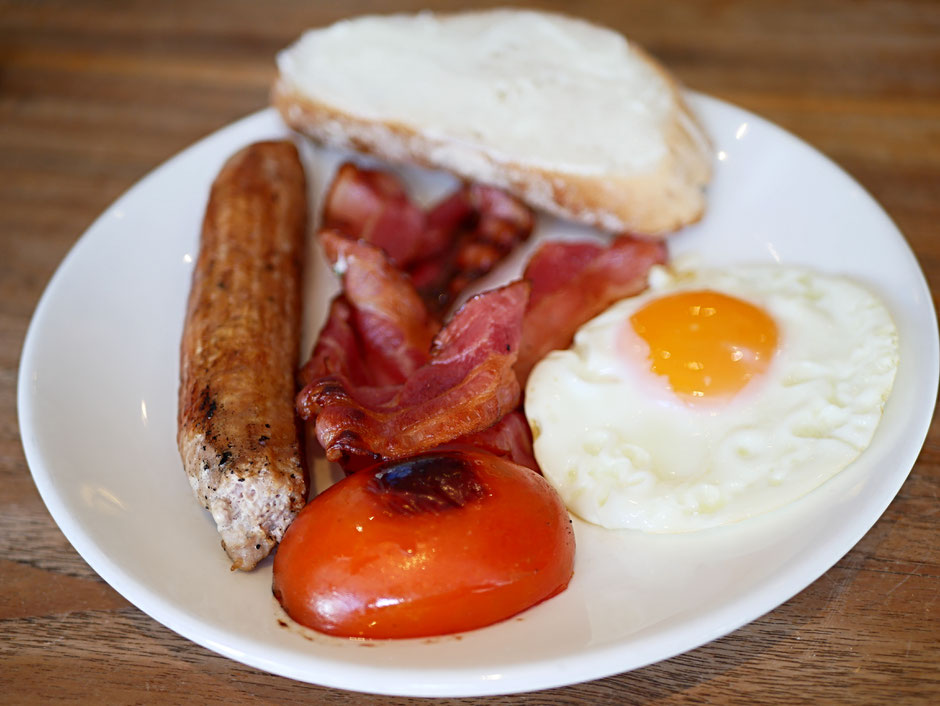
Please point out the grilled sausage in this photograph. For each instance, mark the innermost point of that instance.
(237, 432)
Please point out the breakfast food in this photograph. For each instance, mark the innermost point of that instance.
(237, 432)
(442, 506)
(442, 525)
(714, 396)
(433, 391)
(425, 416)
(438, 543)
(466, 385)
(572, 282)
(384, 379)
(442, 249)
(567, 115)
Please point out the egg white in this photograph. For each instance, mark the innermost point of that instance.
(625, 452)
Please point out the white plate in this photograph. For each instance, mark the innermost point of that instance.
(97, 408)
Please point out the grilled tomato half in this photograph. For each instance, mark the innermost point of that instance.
(434, 544)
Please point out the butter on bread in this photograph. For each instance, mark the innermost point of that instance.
(569, 116)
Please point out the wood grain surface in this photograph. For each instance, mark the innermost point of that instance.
(93, 95)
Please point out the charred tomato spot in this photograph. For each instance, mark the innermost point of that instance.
(430, 483)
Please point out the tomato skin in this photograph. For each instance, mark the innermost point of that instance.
(441, 543)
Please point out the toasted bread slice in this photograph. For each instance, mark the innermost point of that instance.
(567, 115)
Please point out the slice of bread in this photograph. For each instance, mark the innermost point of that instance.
(567, 115)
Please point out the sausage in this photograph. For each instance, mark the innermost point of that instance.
(238, 436)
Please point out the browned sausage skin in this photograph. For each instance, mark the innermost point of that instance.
(237, 435)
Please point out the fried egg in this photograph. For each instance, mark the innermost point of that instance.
(716, 395)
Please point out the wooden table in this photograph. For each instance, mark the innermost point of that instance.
(93, 95)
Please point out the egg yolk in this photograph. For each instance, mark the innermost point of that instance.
(707, 344)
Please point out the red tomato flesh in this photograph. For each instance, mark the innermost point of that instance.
(439, 543)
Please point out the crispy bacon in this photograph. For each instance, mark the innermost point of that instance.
(443, 249)
(467, 385)
(384, 380)
(337, 350)
(510, 437)
(378, 331)
(372, 205)
(495, 223)
(572, 282)
(395, 328)
(378, 334)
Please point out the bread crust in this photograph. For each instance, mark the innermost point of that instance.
(652, 203)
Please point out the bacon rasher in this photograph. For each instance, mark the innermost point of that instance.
(572, 282)
(373, 205)
(443, 249)
(384, 380)
(467, 385)
(495, 223)
(393, 322)
(378, 331)
(378, 315)
(510, 437)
